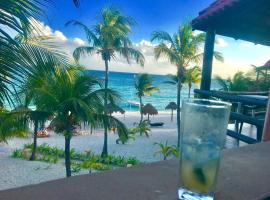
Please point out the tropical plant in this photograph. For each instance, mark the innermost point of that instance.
(239, 82)
(166, 150)
(142, 128)
(192, 76)
(19, 59)
(109, 38)
(38, 117)
(144, 87)
(72, 96)
(10, 125)
(182, 49)
(80, 160)
(41, 67)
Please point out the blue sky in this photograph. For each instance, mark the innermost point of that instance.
(150, 15)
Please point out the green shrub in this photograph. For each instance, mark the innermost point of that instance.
(166, 150)
(28, 146)
(75, 167)
(133, 161)
(100, 166)
(88, 164)
(17, 153)
(85, 160)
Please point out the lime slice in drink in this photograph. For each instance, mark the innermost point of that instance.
(200, 178)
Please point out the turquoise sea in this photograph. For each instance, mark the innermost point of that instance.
(124, 84)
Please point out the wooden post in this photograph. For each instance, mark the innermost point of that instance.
(266, 129)
(208, 60)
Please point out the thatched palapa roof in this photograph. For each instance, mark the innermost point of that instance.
(171, 106)
(149, 109)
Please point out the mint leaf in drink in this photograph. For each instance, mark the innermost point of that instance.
(199, 174)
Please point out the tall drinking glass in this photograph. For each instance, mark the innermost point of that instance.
(203, 134)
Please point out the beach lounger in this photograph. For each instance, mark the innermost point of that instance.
(156, 124)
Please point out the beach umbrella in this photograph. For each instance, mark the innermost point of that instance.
(111, 108)
(149, 109)
(171, 106)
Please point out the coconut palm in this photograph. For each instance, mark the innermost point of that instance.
(38, 117)
(11, 124)
(109, 38)
(144, 87)
(192, 76)
(181, 49)
(72, 96)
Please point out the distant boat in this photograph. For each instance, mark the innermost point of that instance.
(134, 103)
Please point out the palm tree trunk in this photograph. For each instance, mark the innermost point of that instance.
(141, 120)
(172, 116)
(189, 88)
(178, 106)
(67, 154)
(141, 110)
(33, 155)
(105, 144)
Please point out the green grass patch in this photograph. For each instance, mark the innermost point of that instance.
(86, 160)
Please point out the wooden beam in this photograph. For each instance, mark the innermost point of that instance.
(208, 60)
(266, 129)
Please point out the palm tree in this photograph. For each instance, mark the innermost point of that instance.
(72, 96)
(36, 116)
(181, 49)
(109, 38)
(11, 124)
(239, 82)
(144, 87)
(192, 76)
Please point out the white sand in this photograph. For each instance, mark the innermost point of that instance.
(17, 172)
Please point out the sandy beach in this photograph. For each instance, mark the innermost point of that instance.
(16, 172)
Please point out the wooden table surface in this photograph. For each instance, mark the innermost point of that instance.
(244, 175)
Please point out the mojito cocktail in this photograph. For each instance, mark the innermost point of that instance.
(203, 133)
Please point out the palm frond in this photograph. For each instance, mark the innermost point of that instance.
(163, 50)
(223, 83)
(218, 56)
(131, 53)
(90, 35)
(162, 37)
(83, 50)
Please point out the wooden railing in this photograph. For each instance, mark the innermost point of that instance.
(238, 117)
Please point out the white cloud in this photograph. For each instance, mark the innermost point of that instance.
(78, 41)
(221, 42)
(151, 65)
(229, 67)
(59, 35)
(44, 30)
